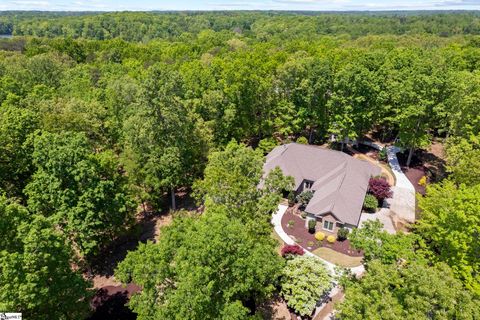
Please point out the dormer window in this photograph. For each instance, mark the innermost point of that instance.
(307, 184)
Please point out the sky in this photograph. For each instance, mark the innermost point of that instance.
(321, 5)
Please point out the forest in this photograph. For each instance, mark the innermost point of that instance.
(107, 115)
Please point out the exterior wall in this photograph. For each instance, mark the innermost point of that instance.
(331, 218)
(327, 217)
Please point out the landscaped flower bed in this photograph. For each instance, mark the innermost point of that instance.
(295, 227)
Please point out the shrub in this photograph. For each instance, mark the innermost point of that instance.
(342, 234)
(292, 250)
(311, 225)
(370, 203)
(305, 197)
(291, 198)
(290, 223)
(383, 154)
(380, 188)
(303, 214)
(319, 236)
(331, 239)
(302, 140)
(423, 181)
(310, 243)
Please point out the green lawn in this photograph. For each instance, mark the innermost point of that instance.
(338, 258)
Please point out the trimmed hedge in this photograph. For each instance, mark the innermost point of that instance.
(331, 239)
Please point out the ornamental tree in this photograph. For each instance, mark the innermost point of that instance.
(380, 188)
(305, 280)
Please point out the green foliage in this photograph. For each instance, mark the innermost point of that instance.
(164, 148)
(305, 279)
(463, 160)
(267, 145)
(342, 234)
(83, 193)
(15, 153)
(412, 291)
(377, 244)
(311, 225)
(383, 155)
(302, 140)
(291, 198)
(212, 261)
(36, 276)
(231, 180)
(305, 197)
(370, 203)
(450, 224)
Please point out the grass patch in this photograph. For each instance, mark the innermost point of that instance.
(279, 241)
(338, 258)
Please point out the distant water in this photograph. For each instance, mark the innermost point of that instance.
(6, 36)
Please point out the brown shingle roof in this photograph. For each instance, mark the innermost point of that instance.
(340, 181)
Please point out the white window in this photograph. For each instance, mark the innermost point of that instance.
(328, 225)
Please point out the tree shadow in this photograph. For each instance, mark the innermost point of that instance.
(144, 230)
(108, 305)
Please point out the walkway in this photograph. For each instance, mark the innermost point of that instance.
(401, 208)
(403, 202)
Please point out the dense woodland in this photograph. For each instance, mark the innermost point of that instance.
(101, 114)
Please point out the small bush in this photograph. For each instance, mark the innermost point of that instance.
(380, 188)
(290, 223)
(383, 154)
(342, 234)
(370, 203)
(423, 181)
(310, 243)
(319, 236)
(305, 197)
(303, 214)
(331, 239)
(292, 250)
(291, 198)
(302, 140)
(311, 226)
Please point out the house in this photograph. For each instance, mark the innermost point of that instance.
(339, 182)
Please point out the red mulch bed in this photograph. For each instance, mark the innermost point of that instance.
(416, 170)
(414, 175)
(299, 232)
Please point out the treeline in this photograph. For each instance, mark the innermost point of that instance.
(258, 25)
(92, 129)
